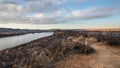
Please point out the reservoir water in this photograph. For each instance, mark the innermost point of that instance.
(8, 42)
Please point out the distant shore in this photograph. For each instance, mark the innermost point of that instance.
(6, 32)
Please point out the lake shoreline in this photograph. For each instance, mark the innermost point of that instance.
(7, 32)
(12, 41)
(15, 34)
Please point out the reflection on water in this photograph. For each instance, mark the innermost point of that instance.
(8, 42)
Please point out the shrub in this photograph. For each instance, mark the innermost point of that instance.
(83, 49)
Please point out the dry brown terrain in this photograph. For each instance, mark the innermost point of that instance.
(104, 57)
(66, 49)
(104, 29)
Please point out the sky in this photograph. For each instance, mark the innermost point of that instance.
(59, 14)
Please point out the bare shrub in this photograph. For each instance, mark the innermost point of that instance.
(112, 39)
(83, 49)
(43, 52)
(62, 48)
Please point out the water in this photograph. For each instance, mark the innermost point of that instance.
(8, 42)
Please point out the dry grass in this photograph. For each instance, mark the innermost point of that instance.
(64, 50)
(104, 57)
(43, 53)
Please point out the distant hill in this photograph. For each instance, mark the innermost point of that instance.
(4, 32)
(17, 30)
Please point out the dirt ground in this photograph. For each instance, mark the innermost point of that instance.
(104, 57)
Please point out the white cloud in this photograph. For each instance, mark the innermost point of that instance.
(92, 13)
(48, 11)
(10, 8)
(38, 6)
(41, 18)
(40, 15)
(9, 1)
(10, 12)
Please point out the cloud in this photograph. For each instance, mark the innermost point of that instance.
(49, 11)
(10, 8)
(32, 0)
(11, 13)
(48, 5)
(40, 15)
(9, 1)
(92, 13)
(42, 18)
(39, 6)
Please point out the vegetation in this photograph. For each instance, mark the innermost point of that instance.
(47, 51)
(108, 37)
(43, 52)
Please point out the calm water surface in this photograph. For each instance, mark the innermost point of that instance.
(8, 42)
